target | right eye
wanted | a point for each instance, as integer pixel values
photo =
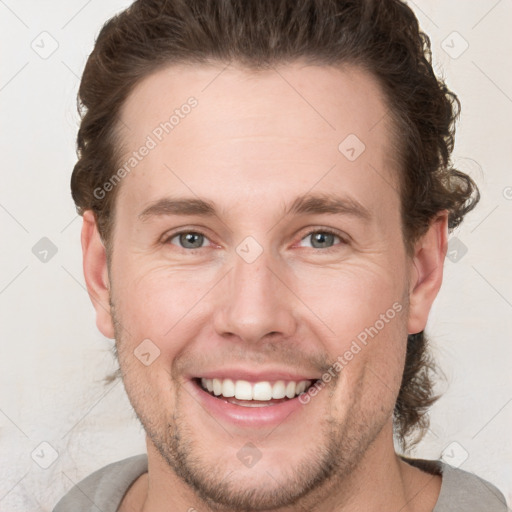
(187, 239)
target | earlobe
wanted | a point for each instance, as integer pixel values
(428, 262)
(96, 273)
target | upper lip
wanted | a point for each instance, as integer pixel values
(255, 376)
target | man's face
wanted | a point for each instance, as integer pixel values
(263, 292)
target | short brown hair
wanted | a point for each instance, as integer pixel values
(381, 36)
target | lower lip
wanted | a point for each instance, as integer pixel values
(269, 415)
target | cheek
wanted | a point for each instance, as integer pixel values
(365, 310)
(156, 298)
(161, 312)
(160, 315)
(370, 367)
(352, 298)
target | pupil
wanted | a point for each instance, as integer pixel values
(190, 240)
(323, 239)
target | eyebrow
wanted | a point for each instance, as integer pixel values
(305, 204)
(328, 203)
(178, 206)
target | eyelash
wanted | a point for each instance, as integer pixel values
(329, 231)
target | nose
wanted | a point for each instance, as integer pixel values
(255, 303)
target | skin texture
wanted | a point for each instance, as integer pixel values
(254, 142)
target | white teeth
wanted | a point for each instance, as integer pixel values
(260, 391)
(217, 387)
(243, 390)
(208, 384)
(228, 388)
(279, 389)
(300, 387)
(290, 389)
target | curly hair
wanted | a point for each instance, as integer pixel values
(381, 36)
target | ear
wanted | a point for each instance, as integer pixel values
(96, 273)
(427, 275)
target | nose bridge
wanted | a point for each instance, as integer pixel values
(255, 302)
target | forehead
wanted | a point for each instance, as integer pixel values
(220, 130)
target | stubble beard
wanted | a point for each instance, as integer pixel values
(335, 448)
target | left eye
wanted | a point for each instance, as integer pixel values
(321, 239)
(189, 240)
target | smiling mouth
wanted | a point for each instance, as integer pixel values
(253, 394)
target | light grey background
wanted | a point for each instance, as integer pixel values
(53, 358)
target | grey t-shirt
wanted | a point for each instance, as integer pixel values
(103, 490)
